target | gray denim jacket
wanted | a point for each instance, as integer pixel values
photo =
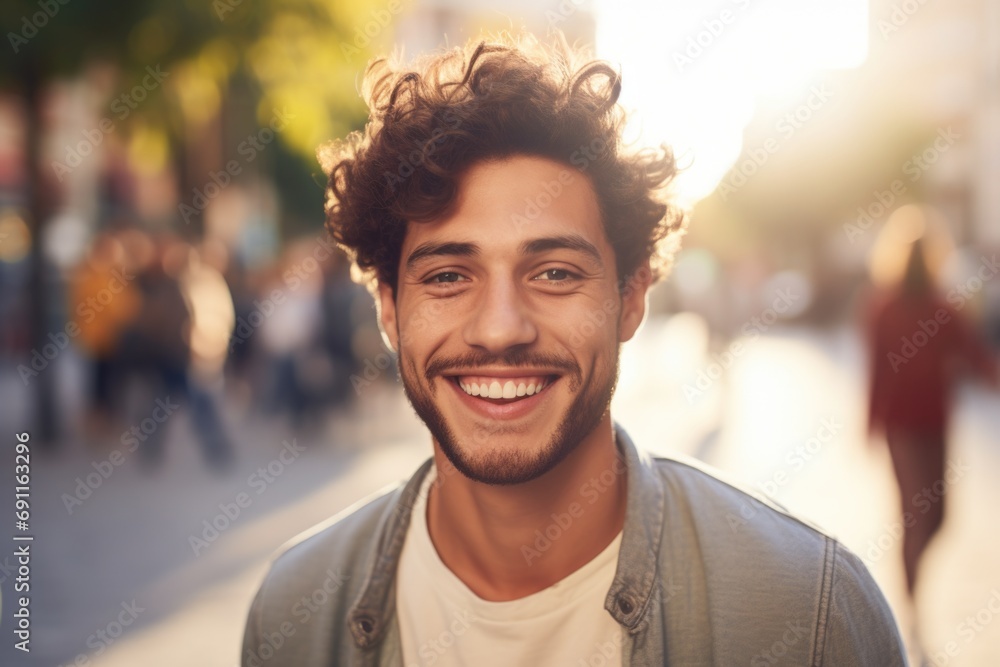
(707, 575)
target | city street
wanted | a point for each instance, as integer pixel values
(158, 568)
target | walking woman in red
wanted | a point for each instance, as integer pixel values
(919, 341)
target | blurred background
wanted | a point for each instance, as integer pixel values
(201, 381)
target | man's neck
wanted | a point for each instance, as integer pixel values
(507, 542)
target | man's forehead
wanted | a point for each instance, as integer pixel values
(513, 202)
(527, 185)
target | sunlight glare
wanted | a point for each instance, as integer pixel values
(693, 71)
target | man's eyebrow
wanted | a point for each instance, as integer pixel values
(568, 242)
(530, 247)
(432, 249)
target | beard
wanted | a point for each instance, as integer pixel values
(472, 456)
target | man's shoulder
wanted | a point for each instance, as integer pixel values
(338, 549)
(726, 520)
(303, 602)
(755, 559)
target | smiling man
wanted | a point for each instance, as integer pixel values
(510, 241)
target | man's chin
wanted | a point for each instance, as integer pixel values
(500, 452)
(501, 465)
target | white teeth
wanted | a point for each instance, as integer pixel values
(506, 390)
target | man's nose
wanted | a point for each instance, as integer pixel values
(501, 319)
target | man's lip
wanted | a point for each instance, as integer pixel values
(504, 372)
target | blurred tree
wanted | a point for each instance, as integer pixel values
(303, 56)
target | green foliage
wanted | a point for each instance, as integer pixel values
(301, 57)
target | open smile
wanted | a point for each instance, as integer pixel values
(502, 397)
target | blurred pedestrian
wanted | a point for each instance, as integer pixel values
(182, 340)
(918, 342)
(350, 331)
(103, 303)
(290, 330)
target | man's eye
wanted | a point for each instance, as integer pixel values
(556, 275)
(445, 277)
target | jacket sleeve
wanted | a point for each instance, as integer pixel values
(860, 627)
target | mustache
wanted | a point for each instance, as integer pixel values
(513, 358)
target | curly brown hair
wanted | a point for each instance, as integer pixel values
(489, 100)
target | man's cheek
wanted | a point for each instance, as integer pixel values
(418, 322)
(424, 314)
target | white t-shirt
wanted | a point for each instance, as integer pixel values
(443, 623)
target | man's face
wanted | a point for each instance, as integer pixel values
(508, 319)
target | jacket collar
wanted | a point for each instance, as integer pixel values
(631, 592)
(634, 585)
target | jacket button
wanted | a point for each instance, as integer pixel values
(625, 605)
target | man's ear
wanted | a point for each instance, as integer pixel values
(387, 323)
(634, 301)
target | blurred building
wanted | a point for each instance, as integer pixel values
(942, 60)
